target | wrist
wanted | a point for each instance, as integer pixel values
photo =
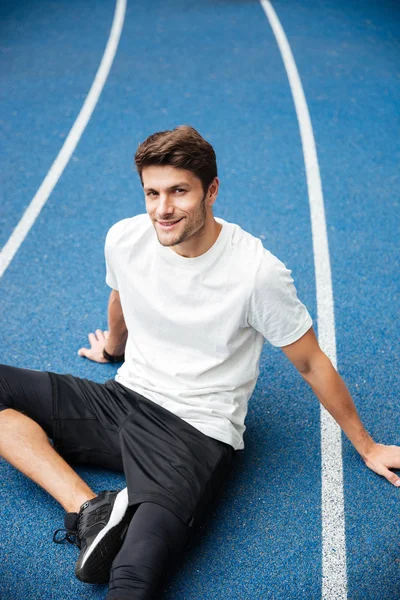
(113, 358)
(365, 446)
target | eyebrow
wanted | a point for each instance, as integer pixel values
(176, 185)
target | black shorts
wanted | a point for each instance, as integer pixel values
(165, 460)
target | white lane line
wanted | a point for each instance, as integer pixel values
(39, 200)
(334, 575)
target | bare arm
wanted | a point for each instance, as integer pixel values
(316, 368)
(114, 339)
(118, 332)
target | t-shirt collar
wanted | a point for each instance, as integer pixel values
(168, 254)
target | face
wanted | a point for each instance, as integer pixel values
(176, 204)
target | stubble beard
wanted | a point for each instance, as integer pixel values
(191, 230)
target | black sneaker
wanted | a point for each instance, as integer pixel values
(98, 530)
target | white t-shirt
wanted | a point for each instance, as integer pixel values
(196, 326)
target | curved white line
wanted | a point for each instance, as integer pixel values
(334, 576)
(39, 200)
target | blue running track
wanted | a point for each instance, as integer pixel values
(214, 64)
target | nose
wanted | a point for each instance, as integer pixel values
(165, 206)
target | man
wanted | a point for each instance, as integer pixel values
(193, 299)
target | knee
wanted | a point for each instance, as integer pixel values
(8, 414)
(137, 568)
(154, 536)
(15, 423)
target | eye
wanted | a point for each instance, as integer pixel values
(151, 193)
(180, 190)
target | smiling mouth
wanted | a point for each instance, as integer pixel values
(169, 224)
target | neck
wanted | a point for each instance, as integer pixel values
(202, 241)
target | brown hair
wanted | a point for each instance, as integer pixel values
(183, 148)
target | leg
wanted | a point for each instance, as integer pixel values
(155, 535)
(99, 525)
(24, 442)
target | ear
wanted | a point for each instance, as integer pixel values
(212, 192)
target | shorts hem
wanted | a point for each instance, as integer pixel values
(138, 498)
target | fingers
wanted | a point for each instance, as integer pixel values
(391, 477)
(98, 336)
(97, 342)
(393, 459)
(383, 459)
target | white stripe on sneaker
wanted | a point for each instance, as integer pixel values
(118, 511)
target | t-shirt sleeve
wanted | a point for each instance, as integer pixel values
(111, 278)
(274, 309)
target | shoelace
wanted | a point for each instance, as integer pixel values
(78, 525)
(73, 537)
(69, 536)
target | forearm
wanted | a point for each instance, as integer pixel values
(118, 332)
(316, 368)
(333, 394)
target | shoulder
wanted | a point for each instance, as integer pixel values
(253, 262)
(243, 244)
(273, 279)
(265, 269)
(128, 230)
(271, 269)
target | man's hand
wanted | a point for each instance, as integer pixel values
(97, 343)
(381, 458)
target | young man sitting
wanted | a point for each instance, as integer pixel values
(193, 299)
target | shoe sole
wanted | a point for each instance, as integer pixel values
(95, 564)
